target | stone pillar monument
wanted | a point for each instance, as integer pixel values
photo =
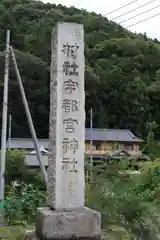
(67, 118)
(66, 217)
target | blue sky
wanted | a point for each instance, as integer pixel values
(106, 6)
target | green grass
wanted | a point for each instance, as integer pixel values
(17, 233)
(13, 232)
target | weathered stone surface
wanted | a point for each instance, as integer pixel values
(83, 224)
(30, 235)
(67, 118)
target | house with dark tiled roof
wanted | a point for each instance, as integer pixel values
(110, 140)
(103, 141)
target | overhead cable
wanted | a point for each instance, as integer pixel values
(132, 10)
(143, 20)
(115, 10)
(139, 14)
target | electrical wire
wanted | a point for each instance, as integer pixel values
(122, 7)
(143, 20)
(139, 14)
(145, 4)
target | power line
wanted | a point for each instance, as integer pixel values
(145, 4)
(139, 14)
(143, 20)
(122, 7)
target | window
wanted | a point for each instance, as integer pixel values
(98, 146)
(115, 146)
(120, 146)
(129, 147)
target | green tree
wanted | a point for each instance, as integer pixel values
(121, 75)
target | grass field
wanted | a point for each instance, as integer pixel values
(13, 232)
(17, 233)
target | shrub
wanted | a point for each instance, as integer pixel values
(124, 201)
(21, 204)
(17, 170)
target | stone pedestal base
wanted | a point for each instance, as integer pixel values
(66, 225)
(31, 235)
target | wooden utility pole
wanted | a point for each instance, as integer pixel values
(4, 121)
(29, 118)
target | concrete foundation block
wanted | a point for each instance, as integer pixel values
(65, 225)
(30, 235)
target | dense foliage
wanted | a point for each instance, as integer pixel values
(129, 204)
(24, 191)
(122, 74)
(17, 171)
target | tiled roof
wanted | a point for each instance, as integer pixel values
(118, 135)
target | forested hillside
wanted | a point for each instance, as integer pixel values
(122, 74)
